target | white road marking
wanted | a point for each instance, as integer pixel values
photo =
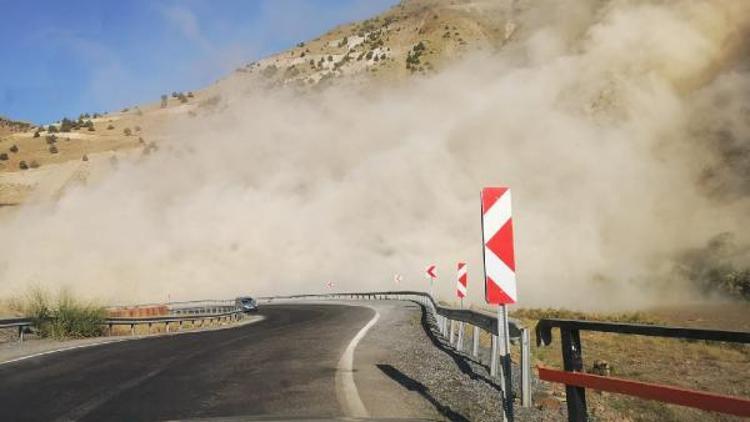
(346, 389)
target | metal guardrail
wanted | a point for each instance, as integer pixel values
(23, 323)
(446, 318)
(576, 381)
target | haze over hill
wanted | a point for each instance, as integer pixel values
(622, 128)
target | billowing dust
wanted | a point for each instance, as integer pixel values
(622, 127)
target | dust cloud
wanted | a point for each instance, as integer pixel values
(622, 127)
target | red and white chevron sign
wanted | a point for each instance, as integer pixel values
(430, 271)
(497, 235)
(462, 280)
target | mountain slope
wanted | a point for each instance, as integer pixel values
(416, 37)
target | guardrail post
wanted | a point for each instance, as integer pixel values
(452, 332)
(493, 357)
(573, 362)
(132, 329)
(460, 339)
(475, 340)
(166, 326)
(109, 329)
(525, 368)
(20, 333)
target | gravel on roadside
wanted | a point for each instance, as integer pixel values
(457, 385)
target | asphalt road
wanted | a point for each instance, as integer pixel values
(283, 365)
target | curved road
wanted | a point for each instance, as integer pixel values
(282, 365)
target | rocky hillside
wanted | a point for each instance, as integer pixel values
(415, 37)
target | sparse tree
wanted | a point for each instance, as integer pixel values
(66, 125)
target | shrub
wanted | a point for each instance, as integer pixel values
(34, 164)
(85, 157)
(36, 134)
(41, 128)
(127, 131)
(4, 156)
(125, 110)
(66, 125)
(110, 127)
(63, 317)
(14, 148)
(183, 99)
(52, 129)
(51, 139)
(190, 94)
(22, 165)
(164, 101)
(269, 71)
(53, 149)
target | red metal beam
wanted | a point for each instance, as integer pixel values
(739, 406)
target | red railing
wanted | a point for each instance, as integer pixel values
(576, 381)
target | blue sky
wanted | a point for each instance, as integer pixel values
(63, 58)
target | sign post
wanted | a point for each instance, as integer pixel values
(431, 274)
(461, 288)
(500, 276)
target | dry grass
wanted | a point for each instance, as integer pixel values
(62, 316)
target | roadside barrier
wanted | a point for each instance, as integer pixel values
(23, 324)
(576, 380)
